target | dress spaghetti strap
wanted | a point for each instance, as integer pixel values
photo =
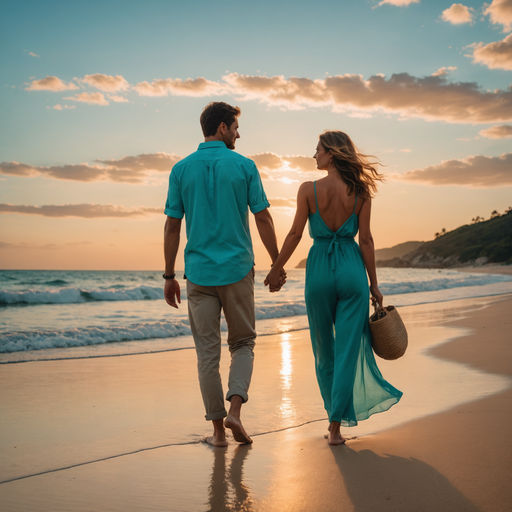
(316, 200)
(354, 206)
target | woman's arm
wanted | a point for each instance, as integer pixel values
(293, 238)
(368, 249)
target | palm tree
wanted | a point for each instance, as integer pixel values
(494, 214)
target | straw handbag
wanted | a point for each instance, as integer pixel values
(389, 336)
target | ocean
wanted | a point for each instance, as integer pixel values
(52, 314)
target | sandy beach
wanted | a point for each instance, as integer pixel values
(124, 433)
(488, 269)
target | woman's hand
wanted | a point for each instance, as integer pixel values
(376, 295)
(275, 279)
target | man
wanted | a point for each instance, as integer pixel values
(213, 188)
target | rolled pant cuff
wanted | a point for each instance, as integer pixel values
(240, 392)
(216, 415)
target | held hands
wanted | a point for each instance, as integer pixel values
(172, 292)
(376, 295)
(275, 279)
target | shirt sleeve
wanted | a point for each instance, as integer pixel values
(174, 204)
(257, 197)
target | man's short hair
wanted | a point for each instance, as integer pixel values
(214, 114)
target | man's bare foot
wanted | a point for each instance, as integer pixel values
(219, 435)
(239, 433)
(218, 443)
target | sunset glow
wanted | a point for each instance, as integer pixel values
(100, 100)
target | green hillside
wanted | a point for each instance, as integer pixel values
(491, 239)
(397, 251)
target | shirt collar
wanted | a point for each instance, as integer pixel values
(212, 144)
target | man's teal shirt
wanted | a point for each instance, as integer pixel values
(214, 188)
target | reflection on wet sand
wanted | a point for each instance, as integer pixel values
(227, 491)
(388, 482)
(286, 409)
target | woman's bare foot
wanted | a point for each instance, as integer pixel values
(239, 433)
(335, 438)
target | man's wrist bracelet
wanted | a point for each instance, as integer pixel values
(172, 276)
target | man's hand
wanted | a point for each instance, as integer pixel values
(172, 292)
(275, 280)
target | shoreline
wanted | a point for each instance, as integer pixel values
(499, 269)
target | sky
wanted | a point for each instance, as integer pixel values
(98, 100)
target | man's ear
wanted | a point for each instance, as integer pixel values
(223, 128)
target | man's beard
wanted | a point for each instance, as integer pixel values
(230, 143)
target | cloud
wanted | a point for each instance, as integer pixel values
(62, 107)
(267, 160)
(272, 161)
(474, 171)
(87, 211)
(25, 245)
(106, 83)
(399, 3)
(51, 83)
(34, 54)
(159, 161)
(129, 169)
(500, 13)
(429, 98)
(80, 172)
(177, 87)
(444, 71)
(503, 131)
(91, 98)
(458, 14)
(136, 169)
(118, 99)
(494, 55)
(290, 202)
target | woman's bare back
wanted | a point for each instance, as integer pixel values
(335, 206)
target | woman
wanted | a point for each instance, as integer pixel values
(337, 297)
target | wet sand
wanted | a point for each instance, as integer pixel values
(124, 433)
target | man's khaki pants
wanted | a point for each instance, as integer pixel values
(204, 307)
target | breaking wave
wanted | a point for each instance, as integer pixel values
(76, 295)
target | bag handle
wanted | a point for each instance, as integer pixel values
(380, 311)
(375, 304)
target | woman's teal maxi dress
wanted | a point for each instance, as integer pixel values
(337, 302)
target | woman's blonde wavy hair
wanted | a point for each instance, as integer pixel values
(356, 169)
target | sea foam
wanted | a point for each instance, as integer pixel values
(76, 295)
(39, 340)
